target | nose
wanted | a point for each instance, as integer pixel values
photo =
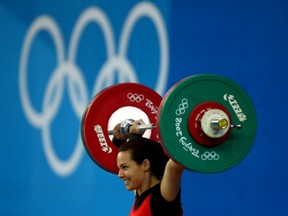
(120, 173)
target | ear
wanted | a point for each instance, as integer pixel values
(146, 165)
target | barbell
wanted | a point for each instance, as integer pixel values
(205, 122)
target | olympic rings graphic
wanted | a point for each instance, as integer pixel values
(182, 107)
(210, 156)
(135, 97)
(68, 69)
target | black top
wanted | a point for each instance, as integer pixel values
(158, 205)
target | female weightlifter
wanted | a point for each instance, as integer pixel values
(146, 170)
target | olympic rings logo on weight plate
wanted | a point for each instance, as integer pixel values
(135, 97)
(210, 156)
(68, 68)
(182, 107)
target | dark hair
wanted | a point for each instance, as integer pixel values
(143, 148)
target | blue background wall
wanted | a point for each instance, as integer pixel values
(44, 168)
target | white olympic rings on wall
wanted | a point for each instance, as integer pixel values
(68, 69)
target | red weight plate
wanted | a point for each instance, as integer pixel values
(94, 128)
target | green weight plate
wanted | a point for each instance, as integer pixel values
(173, 117)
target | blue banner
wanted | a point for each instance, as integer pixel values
(55, 56)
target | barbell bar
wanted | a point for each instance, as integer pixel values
(217, 124)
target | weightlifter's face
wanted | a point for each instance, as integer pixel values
(131, 172)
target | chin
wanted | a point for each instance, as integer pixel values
(129, 188)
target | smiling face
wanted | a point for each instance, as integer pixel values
(131, 172)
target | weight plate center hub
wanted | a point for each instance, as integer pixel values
(215, 123)
(209, 123)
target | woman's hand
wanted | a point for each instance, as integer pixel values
(133, 128)
(117, 134)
